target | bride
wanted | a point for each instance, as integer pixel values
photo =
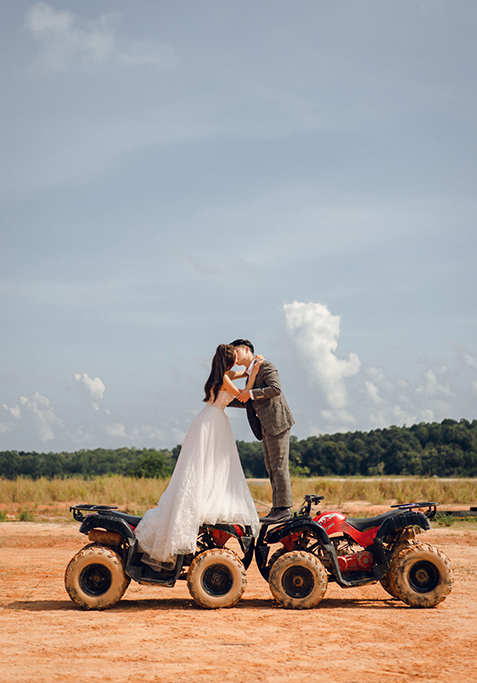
(208, 485)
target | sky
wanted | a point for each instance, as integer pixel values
(177, 174)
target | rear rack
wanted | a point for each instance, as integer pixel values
(77, 510)
(430, 512)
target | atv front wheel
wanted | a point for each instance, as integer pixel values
(421, 576)
(95, 577)
(298, 580)
(216, 578)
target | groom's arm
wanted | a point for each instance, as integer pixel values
(236, 404)
(270, 380)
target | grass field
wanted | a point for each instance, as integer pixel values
(29, 500)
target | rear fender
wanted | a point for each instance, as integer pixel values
(109, 524)
(243, 535)
(402, 520)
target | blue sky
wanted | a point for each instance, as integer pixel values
(178, 174)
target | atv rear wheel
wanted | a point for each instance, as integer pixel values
(95, 577)
(216, 578)
(421, 576)
(276, 555)
(386, 580)
(298, 580)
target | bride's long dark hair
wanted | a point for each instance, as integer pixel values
(223, 360)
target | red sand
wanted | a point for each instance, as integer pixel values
(159, 634)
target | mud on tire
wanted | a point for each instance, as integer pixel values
(276, 555)
(386, 580)
(216, 578)
(421, 576)
(298, 580)
(95, 577)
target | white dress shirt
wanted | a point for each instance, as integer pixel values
(248, 371)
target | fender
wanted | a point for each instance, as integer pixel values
(110, 524)
(398, 522)
(402, 520)
(295, 526)
(298, 526)
(246, 540)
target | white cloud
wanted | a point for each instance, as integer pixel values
(365, 397)
(431, 387)
(15, 411)
(42, 415)
(315, 332)
(115, 429)
(63, 42)
(94, 386)
(7, 427)
(379, 378)
(373, 392)
(118, 433)
(470, 360)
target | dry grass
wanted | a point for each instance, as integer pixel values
(389, 491)
(50, 499)
(45, 498)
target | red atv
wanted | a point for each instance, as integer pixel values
(99, 573)
(354, 552)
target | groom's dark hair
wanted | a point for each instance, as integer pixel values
(243, 342)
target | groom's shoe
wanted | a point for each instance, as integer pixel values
(277, 515)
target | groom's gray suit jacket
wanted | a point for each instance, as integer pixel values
(268, 410)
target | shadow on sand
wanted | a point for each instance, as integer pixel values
(174, 604)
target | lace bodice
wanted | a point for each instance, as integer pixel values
(222, 401)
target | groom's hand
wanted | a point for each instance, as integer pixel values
(243, 396)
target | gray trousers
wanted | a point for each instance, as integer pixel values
(276, 450)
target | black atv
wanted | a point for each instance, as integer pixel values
(98, 575)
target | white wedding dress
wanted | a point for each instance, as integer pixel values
(208, 486)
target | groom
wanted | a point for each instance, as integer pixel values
(270, 419)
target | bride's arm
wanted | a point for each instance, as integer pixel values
(236, 374)
(240, 374)
(245, 393)
(229, 386)
(253, 374)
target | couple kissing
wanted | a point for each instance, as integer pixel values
(208, 485)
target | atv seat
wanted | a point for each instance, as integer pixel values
(363, 523)
(132, 520)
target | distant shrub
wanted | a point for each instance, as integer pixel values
(26, 516)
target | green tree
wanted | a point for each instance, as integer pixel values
(153, 464)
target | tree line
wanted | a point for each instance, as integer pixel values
(444, 449)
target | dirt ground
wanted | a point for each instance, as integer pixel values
(159, 634)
